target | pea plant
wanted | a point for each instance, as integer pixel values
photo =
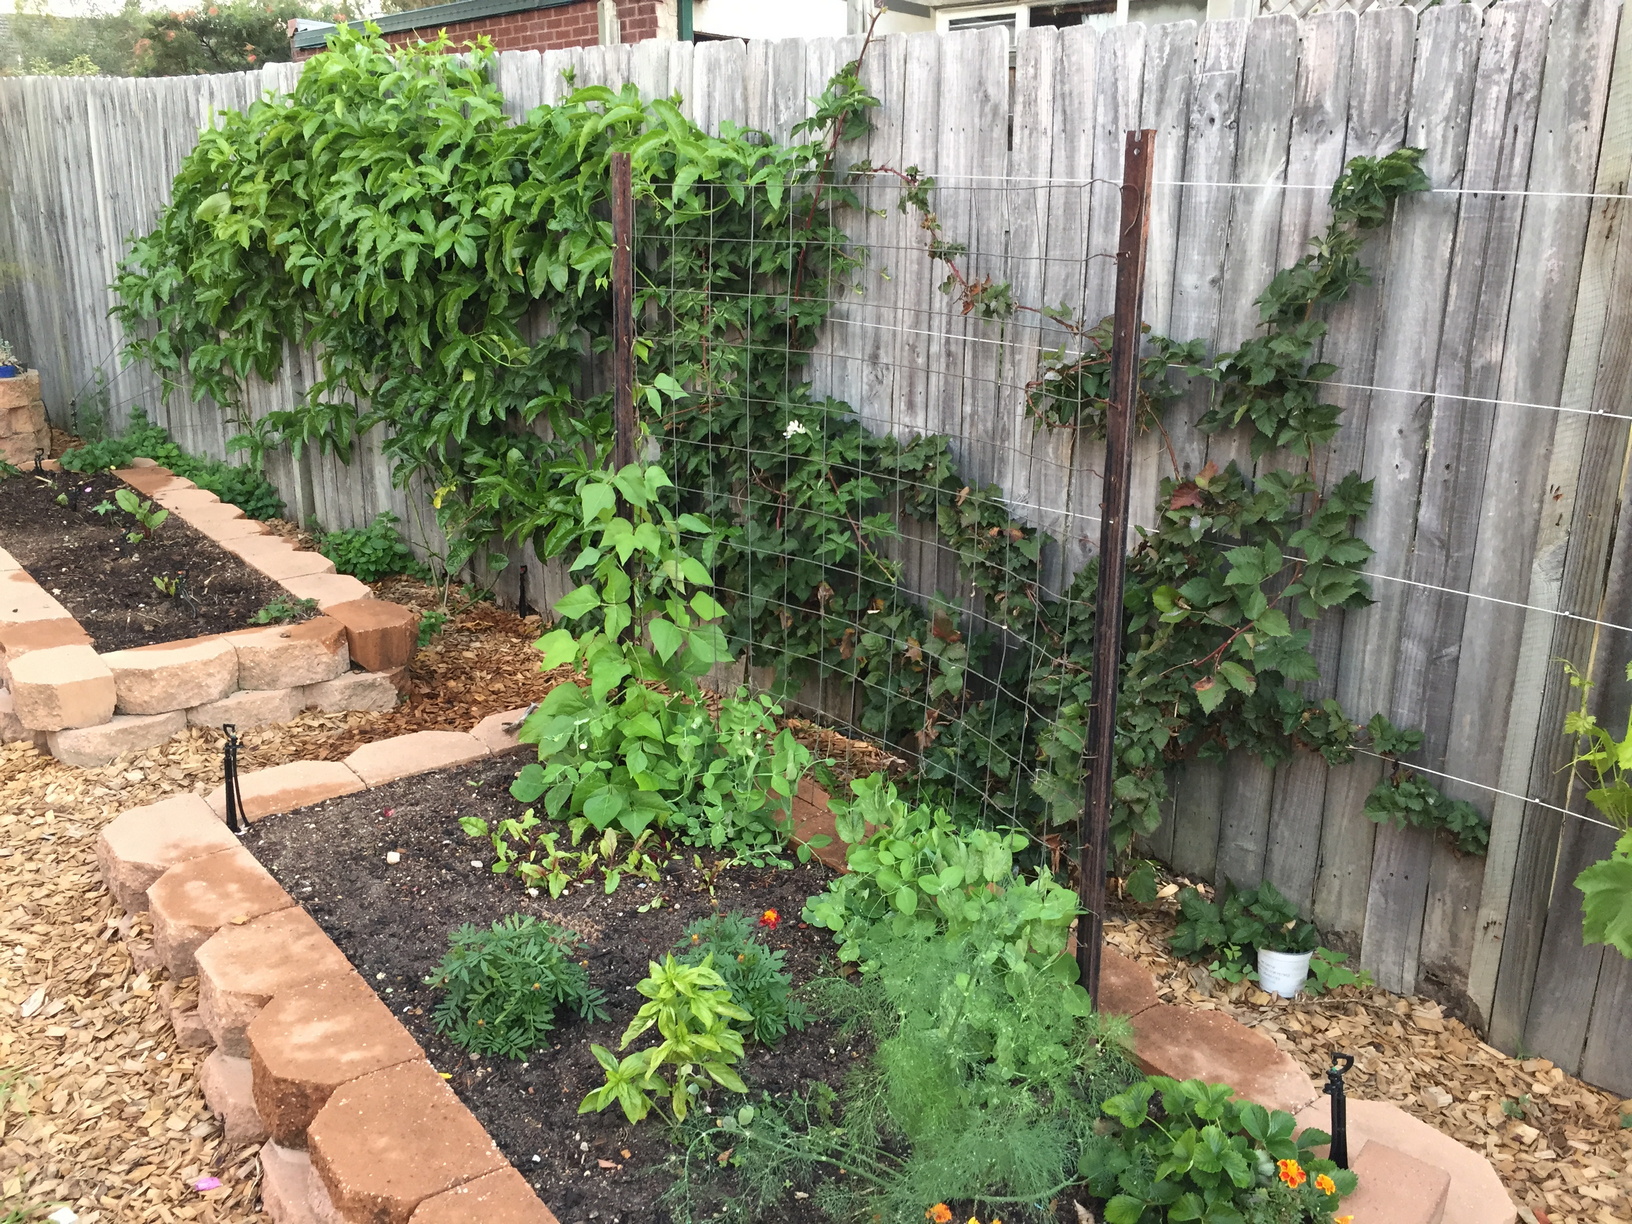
(636, 746)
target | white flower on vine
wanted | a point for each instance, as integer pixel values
(794, 427)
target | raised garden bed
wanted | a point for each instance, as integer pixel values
(392, 920)
(50, 523)
(195, 662)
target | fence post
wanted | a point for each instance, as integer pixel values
(623, 314)
(1093, 832)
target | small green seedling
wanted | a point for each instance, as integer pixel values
(281, 611)
(169, 585)
(148, 516)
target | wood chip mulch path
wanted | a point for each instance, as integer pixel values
(99, 1109)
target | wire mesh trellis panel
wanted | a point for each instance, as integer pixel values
(1479, 377)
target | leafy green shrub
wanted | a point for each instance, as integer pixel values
(1203, 1156)
(623, 752)
(504, 986)
(1329, 970)
(692, 1010)
(373, 552)
(917, 872)
(751, 971)
(1240, 920)
(230, 36)
(242, 486)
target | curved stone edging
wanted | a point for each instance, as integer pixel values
(87, 708)
(356, 1125)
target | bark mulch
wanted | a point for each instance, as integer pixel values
(91, 1115)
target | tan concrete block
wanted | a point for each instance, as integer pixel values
(136, 847)
(20, 389)
(249, 708)
(417, 752)
(500, 1197)
(225, 1082)
(498, 731)
(287, 656)
(173, 676)
(309, 1041)
(180, 500)
(147, 478)
(12, 730)
(381, 635)
(282, 788)
(17, 639)
(286, 1180)
(388, 1141)
(23, 599)
(1476, 1194)
(1210, 1046)
(241, 968)
(291, 564)
(327, 589)
(224, 529)
(28, 419)
(193, 900)
(220, 512)
(88, 747)
(352, 691)
(61, 688)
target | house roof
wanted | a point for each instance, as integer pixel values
(434, 17)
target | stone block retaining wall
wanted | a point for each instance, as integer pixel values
(23, 428)
(355, 1124)
(87, 708)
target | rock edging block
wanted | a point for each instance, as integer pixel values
(285, 787)
(173, 676)
(62, 688)
(138, 846)
(418, 752)
(386, 1142)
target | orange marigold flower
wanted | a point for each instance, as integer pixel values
(940, 1213)
(1325, 1184)
(770, 920)
(1348, 1219)
(1291, 1172)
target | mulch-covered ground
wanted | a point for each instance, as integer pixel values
(87, 560)
(100, 1110)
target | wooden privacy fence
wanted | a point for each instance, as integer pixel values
(1484, 376)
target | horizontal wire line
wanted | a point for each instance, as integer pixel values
(1495, 790)
(1036, 181)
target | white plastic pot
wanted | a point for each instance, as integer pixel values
(1283, 973)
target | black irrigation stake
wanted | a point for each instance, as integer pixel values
(521, 593)
(235, 801)
(39, 460)
(1340, 1106)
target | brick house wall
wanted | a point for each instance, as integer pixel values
(530, 26)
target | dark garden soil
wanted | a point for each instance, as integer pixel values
(393, 922)
(106, 581)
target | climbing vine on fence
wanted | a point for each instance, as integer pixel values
(450, 267)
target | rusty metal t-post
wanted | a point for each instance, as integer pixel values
(623, 314)
(1093, 834)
